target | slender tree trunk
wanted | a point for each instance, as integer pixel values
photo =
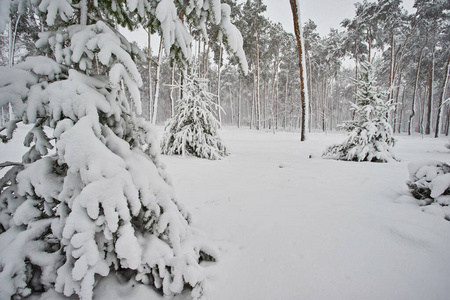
(157, 84)
(442, 98)
(391, 69)
(356, 78)
(422, 109)
(199, 58)
(286, 97)
(12, 49)
(295, 5)
(310, 92)
(239, 104)
(253, 103)
(391, 78)
(274, 81)
(369, 43)
(172, 100)
(430, 96)
(447, 124)
(401, 111)
(265, 103)
(275, 98)
(396, 109)
(219, 66)
(329, 104)
(12, 40)
(413, 108)
(149, 66)
(258, 104)
(324, 99)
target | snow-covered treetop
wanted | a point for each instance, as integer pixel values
(161, 15)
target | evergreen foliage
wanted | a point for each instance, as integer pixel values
(90, 197)
(193, 129)
(370, 136)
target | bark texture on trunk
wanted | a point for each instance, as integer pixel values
(298, 35)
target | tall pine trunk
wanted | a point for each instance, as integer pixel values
(442, 98)
(231, 105)
(239, 104)
(258, 104)
(430, 96)
(172, 100)
(402, 110)
(253, 103)
(356, 77)
(416, 85)
(275, 82)
(396, 107)
(295, 5)
(286, 97)
(149, 66)
(219, 66)
(265, 102)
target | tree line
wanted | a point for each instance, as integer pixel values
(409, 51)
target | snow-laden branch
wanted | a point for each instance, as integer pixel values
(233, 37)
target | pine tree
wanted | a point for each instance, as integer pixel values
(370, 136)
(90, 197)
(193, 129)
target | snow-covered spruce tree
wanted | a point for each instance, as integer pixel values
(370, 136)
(193, 129)
(90, 197)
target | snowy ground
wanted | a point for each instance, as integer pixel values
(295, 227)
(292, 225)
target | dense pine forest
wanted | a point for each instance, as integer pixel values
(409, 50)
(89, 209)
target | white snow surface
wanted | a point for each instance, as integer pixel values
(316, 228)
(291, 225)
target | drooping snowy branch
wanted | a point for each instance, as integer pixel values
(233, 37)
(101, 201)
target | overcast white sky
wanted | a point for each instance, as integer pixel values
(325, 13)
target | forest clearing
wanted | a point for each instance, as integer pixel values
(226, 157)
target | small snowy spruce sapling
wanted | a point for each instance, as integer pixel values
(370, 136)
(90, 197)
(193, 129)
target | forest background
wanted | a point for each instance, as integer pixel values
(409, 49)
